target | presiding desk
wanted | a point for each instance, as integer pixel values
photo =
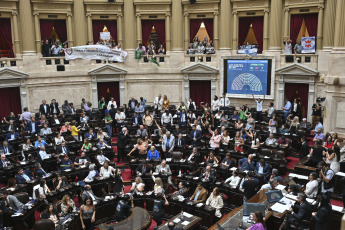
(139, 219)
(185, 221)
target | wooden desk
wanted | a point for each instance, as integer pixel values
(194, 222)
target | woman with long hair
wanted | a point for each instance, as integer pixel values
(51, 213)
(333, 158)
(87, 214)
(67, 205)
(166, 103)
(272, 125)
(259, 222)
(158, 187)
(215, 200)
(141, 146)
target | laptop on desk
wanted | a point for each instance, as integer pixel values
(274, 196)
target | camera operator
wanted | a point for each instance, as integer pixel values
(327, 177)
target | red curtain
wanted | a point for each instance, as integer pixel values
(299, 91)
(195, 24)
(195, 87)
(98, 25)
(258, 27)
(10, 101)
(209, 27)
(109, 89)
(311, 21)
(244, 25)
(47, 28)
(146, 27)
(5, 30)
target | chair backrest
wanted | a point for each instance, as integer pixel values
(45, 224)
(23, 197)
(177, 155)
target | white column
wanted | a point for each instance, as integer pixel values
(235, 31)
(139, 32)
(186, 31)
(311, 100)
(23, 97)
(122, 90)
(119, 29)
(69, 30)
(94, 92)
(167, 32)
(213, 85)
(89, 28)
(215, 34)
(186, 86)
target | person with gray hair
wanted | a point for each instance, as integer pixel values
(43, 154)
(300, 211)
(102, 144)
(270, 185)
(121, 144)
(168, 144)
(92, 173)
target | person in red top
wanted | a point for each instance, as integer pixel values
(328, 143)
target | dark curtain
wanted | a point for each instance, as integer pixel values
(60, 29)
(195, 87)
(5, 30)
(258, 27)
(108, 90)
(209, 27)
(47, 28)
(98, 25)
(295, 27)
(194, 26)
(146, 27)
(299, 91)
(244, 25)
(10, 101)
(311, 21)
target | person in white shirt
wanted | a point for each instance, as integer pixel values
(215, 103)
(215, 200)
(101, 158)
(259, 104)
(234, 180)
(158, 102)
(111, 102)
(43, 154)
(312, 186)
(166, 118)
(56, 49)
(288, 45)
(107, 171)
(59, 139)
(137, 186)
(224, 102)
(120, 118)
(191, 104)
(270, 110)
(92, 173)
(45, 130)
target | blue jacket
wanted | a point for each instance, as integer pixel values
(29, 127)
(8, 136)
(130, 102)
(40, 173)
(153, 156)
(198, 137)
(244, 165)
(88, 135)
(21, 180)
(185, 119)
(139, 118)
(266, 170)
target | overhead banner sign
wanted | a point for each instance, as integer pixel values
(104, 35)
(308, 45)
(95, 52)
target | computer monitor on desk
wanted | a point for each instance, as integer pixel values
(274, 196)
(249, 208)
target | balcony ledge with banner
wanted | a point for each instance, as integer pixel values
(95, 52)
(248, 49)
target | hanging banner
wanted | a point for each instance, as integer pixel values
(95, 52)
(248, 49)
(104, 36)
(308, 45)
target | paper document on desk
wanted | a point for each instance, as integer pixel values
(340, 174)
(302, 177)
(280, 208)
(16, 214)
(280, 187)
(184, 223)
(337, 208)
(177, 220)
(286, 201)
(186, 214)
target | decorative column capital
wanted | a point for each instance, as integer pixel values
(216, 13)
(266, 11)
(186, 14)
(69, 14)
(167, 14)
(14, 13)
(87, 15)
(119, 15)
(35, 13)
(321, 7)
(234, 13)
(138, 15)
(286, 9)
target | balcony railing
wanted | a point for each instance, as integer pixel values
(310, 60)
(11, 62)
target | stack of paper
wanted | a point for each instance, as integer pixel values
(186, 214)
(185, 223)
(340, 174)
(337, 208)
(280, 208)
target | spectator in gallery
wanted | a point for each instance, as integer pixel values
(45, 48)
(288, 45)
(191, 49)
(200, 49)
(161, 50)
(55, 50)
(297, 49)
(141, 48)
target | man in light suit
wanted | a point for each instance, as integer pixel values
(142, 132)
(199, 195)
(54, 107)
(168, 144)
(158, 102)
(12, 202)
(32, 126)
(164, 168)
(46, 130)
(44, 108)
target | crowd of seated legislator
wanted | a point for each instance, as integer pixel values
(212, 156)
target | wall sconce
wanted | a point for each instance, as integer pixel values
(298, 59)
(3, 64)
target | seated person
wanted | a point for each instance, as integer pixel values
(235, 116)
(88, 194)
(199, 195)
(275, 175)
(92, 173)
(39, 143)
(51, 213)
(294, 189)
(60, 182)
(43, 154)
(101, 134)
(164, 169)
(301, 210)
(247, 164)
(137, 186)
(226, 161)
(62, 149)
(194, 156)
(143, 168)
(39, 171)
(56, 120)
(102, 144)
(211, 159)
(123, 208)
(11, 135)
(4, 163)
(208, 173)
(142, 132)
(41, 190)
(101, 158)
(46, 130)
(283, 130)
(32, 126)
(23, 177)
(136, 119)
(83, 160)
(215, 200)
(106, 170)
(6, 147)
(305, 125)
(12, 204)
(90, 135)
(59, 139)
(283, 142)
(271, 185)
(271, 141)
(65, 162)
(311, 188)
(180, 141)
(263, 168)
(67, 205)
(177, 131)
(86, 146)
(152, 154)
(319, 136)
(182, 188)
(234, 180)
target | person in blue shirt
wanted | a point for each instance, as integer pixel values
(263, 168)
(65, 163)
(90, 134)
(39, 143)
(143, 102)
(287, 108)
(23, 177)
(247, 164)
(227, 161)
(235, 116)
(318, 126)
(152, 154)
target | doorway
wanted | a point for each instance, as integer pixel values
(10, 101)
(300, 92)
(108, 90)
(200, 91)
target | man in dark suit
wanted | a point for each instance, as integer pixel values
(6, 147)
(208, 173)
(11, 126)
(39, 171)
(143, 168)
(88, 194)
(62, 149)
(32, 126)
(23, 177)
(304, 150)
(136, 119)
(90, 134)
(54, 107)
(132, 103)
(263, 168)
(180, 141)
(194, 156)
(300, 211)
(195, 136)
(11, 135)
(4, 162)
(44, 108)
(121, 144)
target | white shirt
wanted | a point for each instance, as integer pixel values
(233, 181)
(226, 104)
(59, 141)
(167, 118)
(261, 170)
(288, 48)
(101, 159)
(44, 155)
(270, 111)
(215, 105)
(91, 175)
(56, 121)
(311, 189)
(106, 173)
(158, 103)
(120, 116)
(224, 139)
(295, 107)
(112, 103)
(259, 106)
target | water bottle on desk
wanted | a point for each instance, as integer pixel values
(181, 217)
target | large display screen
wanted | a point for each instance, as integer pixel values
(248, 77)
